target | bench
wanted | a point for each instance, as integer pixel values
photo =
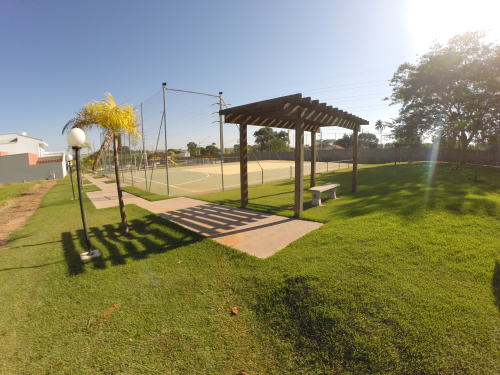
(317, 190)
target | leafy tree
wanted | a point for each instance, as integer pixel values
(262, 136)
(116, 120)
(193, 148)
(367, 140)
(458, 83)
(210, 150)
(236, 147)
(276, 144)
(345, 141)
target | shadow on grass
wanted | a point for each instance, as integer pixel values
(495, 284)
(149, 235)
(405, 190)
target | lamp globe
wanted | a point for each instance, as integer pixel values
(69, 157)
(76, 137)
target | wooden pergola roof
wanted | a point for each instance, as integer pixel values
(282, 112)
(299, 114)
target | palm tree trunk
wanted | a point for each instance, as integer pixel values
(119, 186)
(102, 150)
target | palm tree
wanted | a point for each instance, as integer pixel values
(379, 125)
(116, 120)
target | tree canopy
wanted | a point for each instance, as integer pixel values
(454, 86)
(265, 135)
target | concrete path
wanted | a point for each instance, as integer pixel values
(256, 233)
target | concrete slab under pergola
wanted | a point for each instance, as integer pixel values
(299, 114)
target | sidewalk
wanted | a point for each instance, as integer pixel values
(256, 233)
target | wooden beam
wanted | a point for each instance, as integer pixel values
(265, 104)
(244, 165)
(313, 159)
(355, 159)
(299, 165)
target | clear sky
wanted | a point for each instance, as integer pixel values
(58, 55)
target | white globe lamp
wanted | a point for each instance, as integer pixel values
(76, 137)
(69, 158)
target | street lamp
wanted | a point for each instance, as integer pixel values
(69, 158)
(76, 138)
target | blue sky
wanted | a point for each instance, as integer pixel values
(58, 55)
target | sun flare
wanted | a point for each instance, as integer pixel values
(430, 20)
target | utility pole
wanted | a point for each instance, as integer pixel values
(221, 141)
(165, 123)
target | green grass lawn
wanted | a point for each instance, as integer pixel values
(145, 194)
(9, 191)
(110, 182)
(98, 176)
(403, 278)
(85, 181)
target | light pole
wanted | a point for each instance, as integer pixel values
(76, 138)
(69, 159)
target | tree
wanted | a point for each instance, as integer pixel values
(345, 141)
(367, 140)
(236, 148)
(210, 150)
(193, 148)
(276, 144)
(116, 120)
(262, 136)
(379, 125)
(458, 84)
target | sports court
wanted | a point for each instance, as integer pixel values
(193, 180)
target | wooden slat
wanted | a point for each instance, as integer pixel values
(262, 104)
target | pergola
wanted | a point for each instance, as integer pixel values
(299, 114)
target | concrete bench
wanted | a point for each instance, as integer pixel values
(317, 190)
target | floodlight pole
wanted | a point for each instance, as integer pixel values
(221, 141)
(165, 123)
(144, 154)
(77, 158)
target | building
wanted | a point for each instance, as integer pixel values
(24, 159)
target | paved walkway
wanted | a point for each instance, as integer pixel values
(256, 233)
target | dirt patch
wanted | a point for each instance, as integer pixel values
(16, 213)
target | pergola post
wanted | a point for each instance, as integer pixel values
(313, 158)
(355, 158)
(244, 165)
(299, 164)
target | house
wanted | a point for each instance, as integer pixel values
(184, 154)
(333, 147)
(24, 159)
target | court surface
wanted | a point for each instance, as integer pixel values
(202, 179)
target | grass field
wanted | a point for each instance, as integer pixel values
(202, 179)
(403, 278)
(9, 191)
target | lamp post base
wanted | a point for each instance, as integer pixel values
(92, 254)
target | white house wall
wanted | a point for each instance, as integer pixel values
(16, 169)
